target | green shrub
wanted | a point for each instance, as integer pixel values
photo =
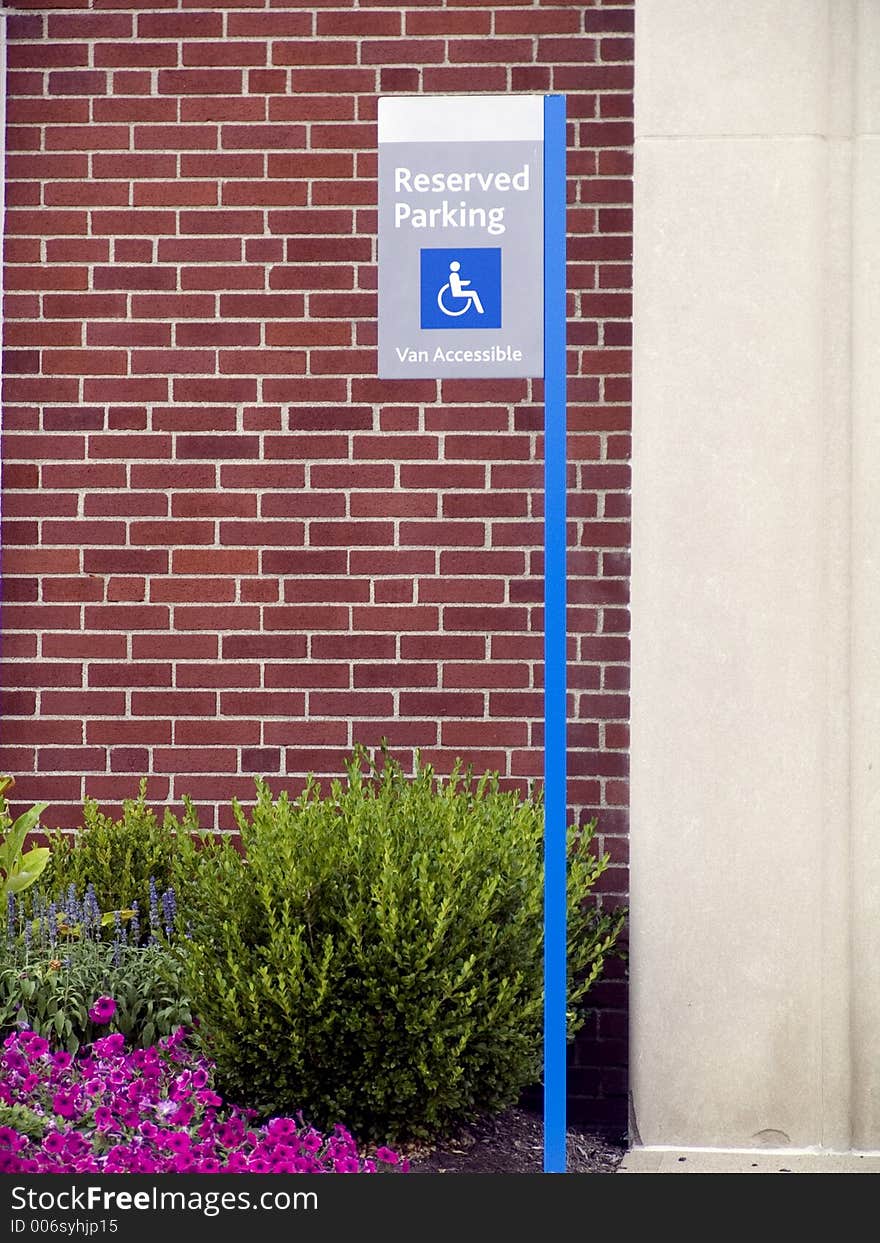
(53, 968)
(376, 956)
(118, 858)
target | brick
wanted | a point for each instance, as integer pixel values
(132, 673)
(405, 80)
(262, 137)
(69, 759)
(342, 135)
(201, 25)
(351, 703)
(132, 82)
(125, 390)
(21, 26)
(353, 647)
(198, 760)
(196, 108)
(394, 674)
(211, 561)
(135, 55)
(326, 165)
(220, 390)
(306, 617)
(237, 53)
(262, 704)
(181, 137)
(311, 52)
(222, 164)
(46, 223)
(204, 590)
(441, 704)
(299, 561)
(75, 27)
(211, 617)
(268, 25)
(315, 590)
(44, 56)
(213, 504)
(216, 733)
(263, 646)
(350, 534)
(263, 194)
(55, 674)
(44, 111)
(217, 675)
(123, 166)
(37, 617)
(18, 703)
(262, 362)
(471, 78)
(200, 82)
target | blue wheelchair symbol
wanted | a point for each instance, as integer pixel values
(461, 288)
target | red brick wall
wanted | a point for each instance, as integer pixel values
(228, 549)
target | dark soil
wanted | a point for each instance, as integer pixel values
(513, 1143)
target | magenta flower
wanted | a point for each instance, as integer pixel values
(64, 1103)
(386, 1155)
(103, 1010)
(281, 1128)
(162, 1112)
(178, 1141)
(36, 1046)
(53, 1142)
(109, 1046)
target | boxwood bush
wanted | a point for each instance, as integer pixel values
(375, 956)
(123, 860)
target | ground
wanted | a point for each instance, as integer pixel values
(513, 1143)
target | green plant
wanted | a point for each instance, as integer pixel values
(19, 869)
(118, 858)
(54, 966)
(24, 1120)
(376, 956)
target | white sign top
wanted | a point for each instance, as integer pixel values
(461, 118)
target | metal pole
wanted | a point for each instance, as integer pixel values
(555, 802)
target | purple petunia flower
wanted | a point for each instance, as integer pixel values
(103, 1010)
(109, 1046)
(53, 1142)
(160, 1110)
(64, 1103)
(35, 1046)
(282, 1128)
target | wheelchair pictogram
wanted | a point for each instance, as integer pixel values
(460, 287)
(456, 291)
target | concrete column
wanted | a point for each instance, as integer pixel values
(756, 675)
(866, 584)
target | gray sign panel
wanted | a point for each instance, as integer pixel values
(460, 255)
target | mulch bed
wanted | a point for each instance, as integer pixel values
(513, 1143)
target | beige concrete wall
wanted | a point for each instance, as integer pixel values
(756, 672)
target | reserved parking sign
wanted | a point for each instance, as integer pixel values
(461, 239)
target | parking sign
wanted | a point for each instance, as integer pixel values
(461, 236)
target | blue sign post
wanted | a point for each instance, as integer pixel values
(555, 799)
(464, 183)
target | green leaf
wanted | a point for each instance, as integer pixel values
(28, 869)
